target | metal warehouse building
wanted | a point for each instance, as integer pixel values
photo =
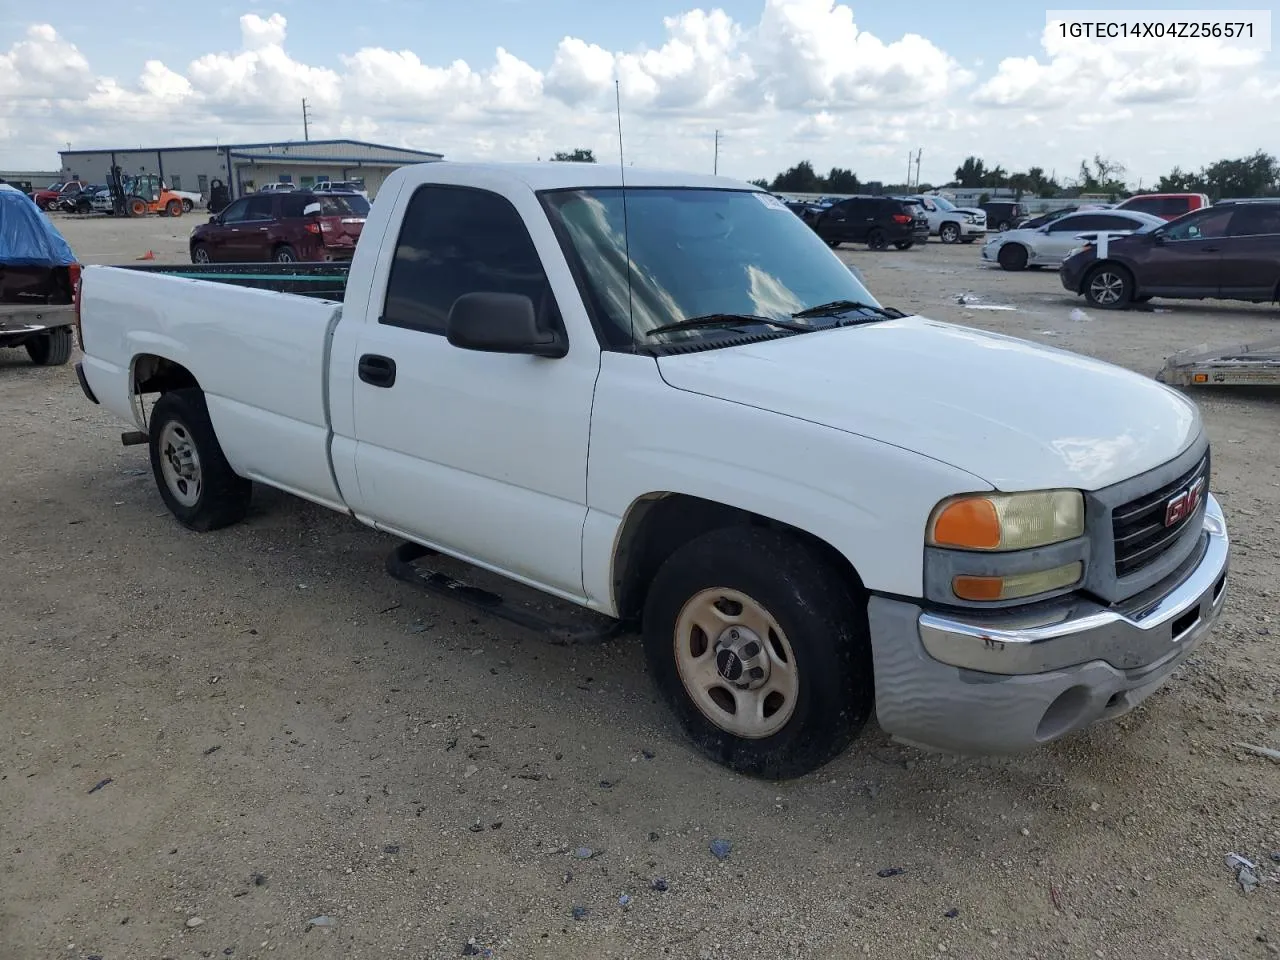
(246, 167)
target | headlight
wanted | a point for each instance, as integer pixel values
(1007, 521)
(1074, 250)
(1016, 585)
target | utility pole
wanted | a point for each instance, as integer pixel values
(306, 126)
(715, 164)
(908, 169)
(919, 154)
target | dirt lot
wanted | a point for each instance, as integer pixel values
(285, 732)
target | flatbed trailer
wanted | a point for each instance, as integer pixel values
(1255, 364)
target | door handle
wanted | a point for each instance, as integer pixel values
(377, 371)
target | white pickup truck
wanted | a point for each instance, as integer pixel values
(668, 402)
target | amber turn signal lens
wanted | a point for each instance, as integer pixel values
(1017, 585)
(973, 524)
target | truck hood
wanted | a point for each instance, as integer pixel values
(970, 210)
(1015, 414)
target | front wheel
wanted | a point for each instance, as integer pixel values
(877, 239)
(173, 208)
(949, 233)
(187, 206)
(200, 254)
(196, 482)
(761, 650)
(1108, 287)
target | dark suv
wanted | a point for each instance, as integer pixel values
(1230, 251)
(282, 226)
(1004, 214)
(875, 221)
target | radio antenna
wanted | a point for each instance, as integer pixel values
(626, 226)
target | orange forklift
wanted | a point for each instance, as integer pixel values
(142, 196)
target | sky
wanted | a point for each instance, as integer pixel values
(858, 85)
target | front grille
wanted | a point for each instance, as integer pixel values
(1141, 536)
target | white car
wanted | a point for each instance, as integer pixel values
(189, 200)
(340, 186)
(1049, 245)
(949, 223)
(812, 507)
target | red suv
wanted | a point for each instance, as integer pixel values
(1167, 206)
(284, 227)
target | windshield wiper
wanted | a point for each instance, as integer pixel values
(728, 320)
(844, 306)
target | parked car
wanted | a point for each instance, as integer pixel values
(340, 186)
(189, 199)
(1049, 245)
(38, 279)
(949, 223)
(1045, 218)
(1230, 251)
(278, 188)
(1167, 206)
(282, 226)
(50, 197)
(82, 200)
(875, 221)
(1003, 214)
(810, 506)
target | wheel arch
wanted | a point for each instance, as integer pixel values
(1113, 263)
(151, 373)
(659, 523)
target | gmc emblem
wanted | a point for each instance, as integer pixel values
(1184, 504)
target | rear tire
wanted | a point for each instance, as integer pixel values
(877, 239)
(1003, 225)
(52, 349)
(195, 481)
(173, 208)
(784, 621)
(187, 206)
(137, 207)
(1013, 256)
(285, 254)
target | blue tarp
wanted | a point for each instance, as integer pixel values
(27, 237)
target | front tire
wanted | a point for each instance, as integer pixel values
(285, 254)
(195, 481)
(1108, 287)
(52, 349)
(949, 233)
(187, 206)
(761, 650)
(1013, 256)
(200, 254)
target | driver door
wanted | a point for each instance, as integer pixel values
(1185, 258)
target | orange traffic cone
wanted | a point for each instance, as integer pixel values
(149, 255)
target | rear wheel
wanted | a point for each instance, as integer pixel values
(1108, 287)
(285, 254)
(1002, 226)
(196, 482)
(137, 207)
(200, 254)
(173, 208)
(833, 244)
(1013, 256)
(51, 349)
(761, 649)
(877, 239)
(949, 233)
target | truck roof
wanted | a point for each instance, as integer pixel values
(560, 175)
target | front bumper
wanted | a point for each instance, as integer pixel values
(973, 229)
(1072, 270)
(1016, 680)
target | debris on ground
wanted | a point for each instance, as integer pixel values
(471, 771)
(624, 901)
(660, 884)
(391, 848)
(1267, 752)
(323, 922)
(259, 879)
(208, 751)
(890, 872)
(193, 922)
(1246, 872)
(721, 849)
(952, 913)
(584, 853)
(100, 784)
(1079, 316)
(579, 913)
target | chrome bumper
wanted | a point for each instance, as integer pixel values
(1140, 632)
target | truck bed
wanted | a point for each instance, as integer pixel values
(256, 339)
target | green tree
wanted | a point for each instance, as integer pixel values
(971, 173)
(577, 155)
(762, 183)
(840, 180)
(798, 179)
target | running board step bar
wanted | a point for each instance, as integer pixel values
(402, 563)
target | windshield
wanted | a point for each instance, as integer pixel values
(695, 252)
(943, 203)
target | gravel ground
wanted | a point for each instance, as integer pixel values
(285, 733)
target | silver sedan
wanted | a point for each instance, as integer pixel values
(1049, 245)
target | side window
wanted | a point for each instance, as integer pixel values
(202, 183)
(259, 208)
(1209, 225)
(292, 204)
(456, 241)
(1145, 205)
(175, 183)
(235, 213)
(1174, 207)
(1252, 220)
(1074, 224)
(1112, 222)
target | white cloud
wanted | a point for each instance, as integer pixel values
(803, 80)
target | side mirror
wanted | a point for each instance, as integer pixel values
(311, 210)
(501, 323)
(215, 218)
(1157, 237)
